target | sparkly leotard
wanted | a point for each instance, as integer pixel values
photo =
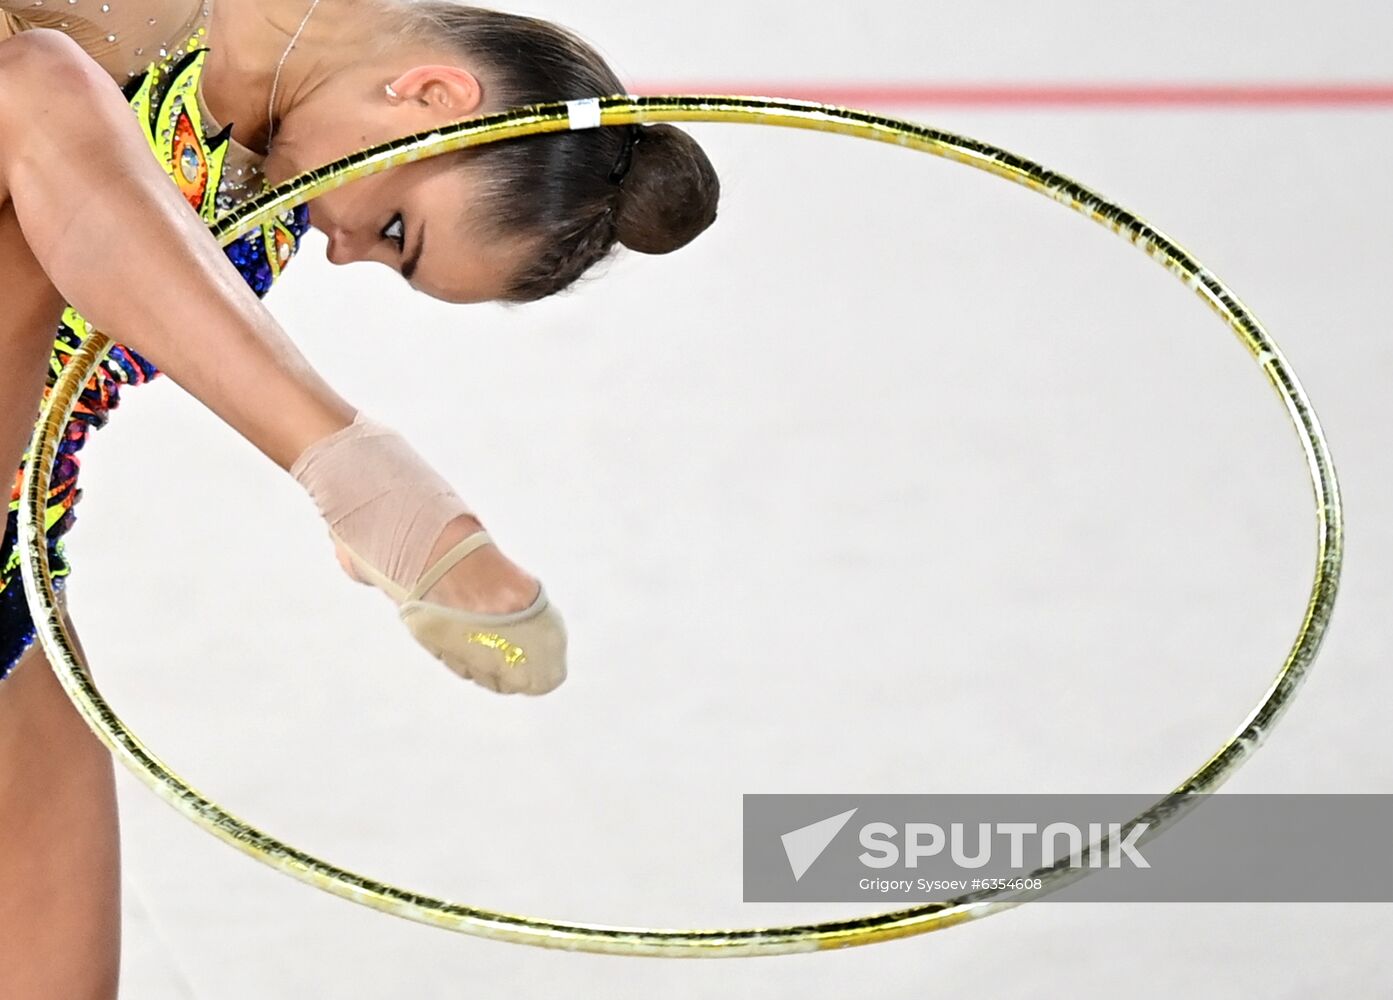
(157, 47)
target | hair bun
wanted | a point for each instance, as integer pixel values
(669, 194)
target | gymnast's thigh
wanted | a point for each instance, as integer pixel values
(60, 906)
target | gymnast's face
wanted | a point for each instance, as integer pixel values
(410, 219)
(415, 218)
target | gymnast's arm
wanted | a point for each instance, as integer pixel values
(117, 241)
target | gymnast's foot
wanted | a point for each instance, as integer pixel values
(485, 581)
(398, 526)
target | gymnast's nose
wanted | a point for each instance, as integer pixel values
(341, 250)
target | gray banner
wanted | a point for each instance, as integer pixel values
(930, 848)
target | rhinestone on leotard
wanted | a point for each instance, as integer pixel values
(189, 164)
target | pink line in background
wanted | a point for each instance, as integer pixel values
(1067, 95)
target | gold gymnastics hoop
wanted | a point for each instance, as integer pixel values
(624, 110)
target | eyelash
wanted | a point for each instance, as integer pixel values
(400, 238)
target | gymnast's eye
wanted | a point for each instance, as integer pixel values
(396, 231)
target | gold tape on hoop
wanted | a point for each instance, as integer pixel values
(622, 110)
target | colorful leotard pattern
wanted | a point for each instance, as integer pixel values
(164, 99)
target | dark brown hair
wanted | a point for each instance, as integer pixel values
(556, 190)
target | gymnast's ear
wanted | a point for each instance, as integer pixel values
(449, 89)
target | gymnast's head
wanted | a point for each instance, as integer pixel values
(512, 221)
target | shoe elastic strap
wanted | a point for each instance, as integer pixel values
(447, 561)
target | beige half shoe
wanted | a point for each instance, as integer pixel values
(513, 652)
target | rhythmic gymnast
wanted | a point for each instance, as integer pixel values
(95, 233)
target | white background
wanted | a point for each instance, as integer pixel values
(899, 479)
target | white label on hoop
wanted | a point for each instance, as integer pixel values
(584, 113)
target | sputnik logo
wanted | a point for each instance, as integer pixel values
(806, 844)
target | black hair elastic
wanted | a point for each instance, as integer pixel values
(626, 155)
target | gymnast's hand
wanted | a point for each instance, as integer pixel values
(390, 516)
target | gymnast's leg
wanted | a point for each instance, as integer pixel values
(60, 867)
(100, 219)
(59, 854)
